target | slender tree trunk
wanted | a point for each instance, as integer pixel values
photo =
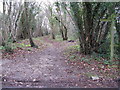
(16, 23)
(112, 40)
(53, 35)
(27, 25)
(118, 32)
(40, 31)
(63, 30)
(3, 25)
(65, 36)
(10, 36)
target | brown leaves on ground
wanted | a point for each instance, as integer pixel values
(23, 47)
(90, 67)
(69, 70)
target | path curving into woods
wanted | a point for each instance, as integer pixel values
(43, 69)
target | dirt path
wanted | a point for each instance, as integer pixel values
(45, 69)
(40, 69)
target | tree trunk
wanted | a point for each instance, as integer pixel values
(65, 36)
(63, 29)
(53, 36)
(10, 36)
(3, 26)
(92, 31)
(112, 40)
(16, 23)
(40, 32)
(27, 25)
(118, 32)
(62, 33)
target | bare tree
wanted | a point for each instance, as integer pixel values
(28, 25)
(62, 19)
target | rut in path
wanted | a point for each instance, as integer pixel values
(45, 68)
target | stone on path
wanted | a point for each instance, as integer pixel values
(94, 77)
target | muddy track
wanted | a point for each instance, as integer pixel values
(46, 68)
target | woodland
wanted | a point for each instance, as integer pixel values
(60, 44)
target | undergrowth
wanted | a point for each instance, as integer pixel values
(73, 53)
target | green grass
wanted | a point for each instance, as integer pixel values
(85, 59)
(2, 48)
(58, 38)
(72, 38)
(21, 45)
(14, 46)
(76, 47)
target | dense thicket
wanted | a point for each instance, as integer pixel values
(92, 29)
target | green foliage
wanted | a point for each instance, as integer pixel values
(105, 48)
(2, 47)
(72, 57)
(28, 45)
(107, 62)
(97, 58)
(7, 47)
(105, 59)
(23, 45)
(88, 22)
(85, 59)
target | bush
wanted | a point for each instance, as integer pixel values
(8, 49)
